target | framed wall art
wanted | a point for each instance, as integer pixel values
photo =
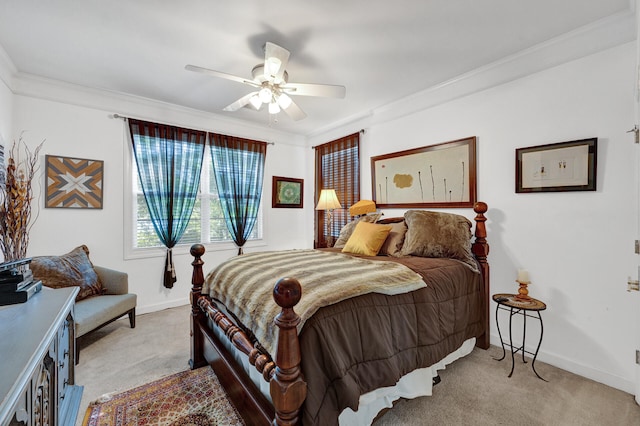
(287, 192)
(441, 175)
(557, 167)
(73, 182)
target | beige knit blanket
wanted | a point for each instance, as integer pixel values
(244, 284)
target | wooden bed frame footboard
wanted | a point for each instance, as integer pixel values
(287, 387)
(480, 249)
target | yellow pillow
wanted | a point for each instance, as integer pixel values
(367, 238)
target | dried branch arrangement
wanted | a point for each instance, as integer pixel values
(15, 200)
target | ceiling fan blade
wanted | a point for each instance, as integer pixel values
(308, 89)
(243, 101)
(221, 75)
(294, 111)
(276, 59)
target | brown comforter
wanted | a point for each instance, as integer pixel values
(370, 341)
(244, 284)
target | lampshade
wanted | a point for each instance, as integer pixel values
(255, 101)
(362, 207)
(274, 108)
(328, 200)
(265, 95)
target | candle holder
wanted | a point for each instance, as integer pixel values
(523, 292)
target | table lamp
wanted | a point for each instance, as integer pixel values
(328, 201)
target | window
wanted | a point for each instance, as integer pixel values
(207, 223)
(337, 167)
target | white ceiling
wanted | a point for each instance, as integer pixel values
(380, 50)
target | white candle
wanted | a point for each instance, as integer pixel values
(523, 275)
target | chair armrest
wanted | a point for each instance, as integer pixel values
(115, 282)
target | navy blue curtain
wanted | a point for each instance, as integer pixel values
(169, 163)
(238, 165)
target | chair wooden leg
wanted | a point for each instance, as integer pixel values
(132, 318)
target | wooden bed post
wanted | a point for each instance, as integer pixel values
(197, 279)
(480, 249)
(288, 389)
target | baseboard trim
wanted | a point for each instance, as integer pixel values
(574, 367)
(141, 310)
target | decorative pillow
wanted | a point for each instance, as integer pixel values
(367, 239)
(347, 230)
(435, 234)
(393, 244)
(71, 269)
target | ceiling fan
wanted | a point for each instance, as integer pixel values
(271, 82)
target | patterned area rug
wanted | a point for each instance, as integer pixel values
(193, 397)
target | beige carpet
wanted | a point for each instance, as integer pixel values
(116, 357)
(473, 391)
(477, 391)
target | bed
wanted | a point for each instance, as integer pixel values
(314, 355)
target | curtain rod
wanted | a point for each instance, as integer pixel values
(124, 117)
(363, 131)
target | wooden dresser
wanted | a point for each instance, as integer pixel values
(37, 346)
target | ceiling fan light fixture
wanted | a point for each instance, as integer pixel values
(274, 108)
(270, 81)
(255, 101)
(284, 101)
(265, 95)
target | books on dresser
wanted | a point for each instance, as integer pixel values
(16, 282)
(20, 296)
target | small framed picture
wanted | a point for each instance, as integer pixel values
(287, 192)
(557, 167)
(74, 183)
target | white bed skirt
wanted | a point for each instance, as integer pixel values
(412, 385)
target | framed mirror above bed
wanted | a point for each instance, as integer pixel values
(441, 175)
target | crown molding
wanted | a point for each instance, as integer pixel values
(606, 33)
(128, 105)
(603, 34)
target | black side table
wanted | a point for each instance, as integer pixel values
(526, 308)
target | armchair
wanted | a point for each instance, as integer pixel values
(97, 311)
(104, 293)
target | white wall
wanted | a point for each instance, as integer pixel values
(6, 106)
(6, 114)
(578, 246)
(89, 132)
